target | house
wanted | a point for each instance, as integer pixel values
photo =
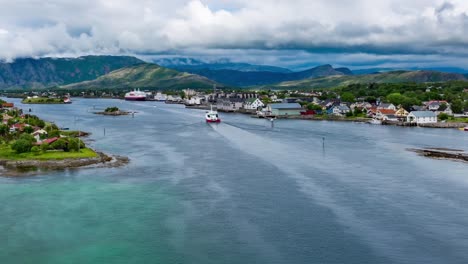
(383, 114)
(401, 113)
(285, 109)
(435, 105)
(8, 105)
(253, 104)
(38, 133)
(17, 127)
(387, 106)
(160, 97)
(422, 117)
(229, 104)
(195, 100)
(339, 110)
(48, 141)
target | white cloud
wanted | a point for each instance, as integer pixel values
(415, 28)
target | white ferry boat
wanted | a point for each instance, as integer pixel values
(212, 116)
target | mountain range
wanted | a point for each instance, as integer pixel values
(384, 77)
(124, 72)
(47, 72)
(146, 76)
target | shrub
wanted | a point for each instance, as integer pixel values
(28, 138)
(44, 147)
(22, 146)
(35, 149)
(443, 116)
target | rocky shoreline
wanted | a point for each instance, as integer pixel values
(15, 168)
(117, 113)
(442, 153)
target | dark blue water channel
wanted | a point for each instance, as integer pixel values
(239, 192)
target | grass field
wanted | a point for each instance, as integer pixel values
(7, 153)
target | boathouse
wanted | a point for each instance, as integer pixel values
(285, 109)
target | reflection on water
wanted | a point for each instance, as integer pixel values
(239, 192)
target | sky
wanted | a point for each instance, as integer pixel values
(288, 33)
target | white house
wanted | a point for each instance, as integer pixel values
(160, 97)
(422, 117)
(339, 110)
(37, 134)
(195, 100)
(253, 104)
(387, 106)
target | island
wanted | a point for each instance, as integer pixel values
(112, 111)
(43, 100)
(29, 144)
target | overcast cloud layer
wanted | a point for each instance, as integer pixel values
(283, 32)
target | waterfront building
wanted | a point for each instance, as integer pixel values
(422, 117)
(253, 104)
(230, 104)
(339, 110)
(284, 109)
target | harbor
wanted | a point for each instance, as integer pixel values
(342, 184)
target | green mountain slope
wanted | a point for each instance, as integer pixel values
(145, 76)
(46, 72)
(387, 77)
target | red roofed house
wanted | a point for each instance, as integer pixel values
(8, 105)
(17, 127)
(48, 141)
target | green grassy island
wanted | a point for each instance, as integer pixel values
(42, 100)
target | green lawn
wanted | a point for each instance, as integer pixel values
(458, 120)
(7, 153)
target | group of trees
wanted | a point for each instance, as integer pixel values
(25, 143)
(112, 109)
(405, 94)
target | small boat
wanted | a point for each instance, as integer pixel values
(67, 100)
(212, 116)
(464, 128)
(375, 122)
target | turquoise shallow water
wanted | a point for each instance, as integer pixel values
(239, 192)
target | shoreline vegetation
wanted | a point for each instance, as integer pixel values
(42, 100)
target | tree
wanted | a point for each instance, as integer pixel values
(28, 129)
(457, 106)
(21, 146)
(74, 144)
(313, 106)
(59, 144)
(4, 130)
(348, 97)
(28, 138)
(395, 98)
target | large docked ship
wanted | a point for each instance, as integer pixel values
(135, 95)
